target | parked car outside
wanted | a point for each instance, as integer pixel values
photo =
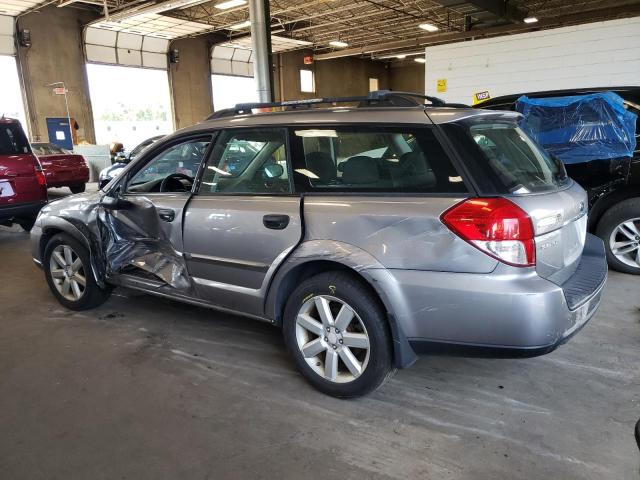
(612, 185)
(107, 174)
(23, 187)
(62, 168)
(367, 234)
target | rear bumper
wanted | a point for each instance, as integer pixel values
(67, 178)
(22, 210)
(504, 313)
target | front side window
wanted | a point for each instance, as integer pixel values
(248, 161)
(172, 170)
(378, 160)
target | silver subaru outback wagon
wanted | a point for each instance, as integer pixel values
(367, 232)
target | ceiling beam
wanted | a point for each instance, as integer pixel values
(450, 37)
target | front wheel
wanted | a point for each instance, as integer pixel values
(77, 188)
(337, 333)
(619, 228)
(68, 271)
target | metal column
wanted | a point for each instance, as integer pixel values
(261, 43)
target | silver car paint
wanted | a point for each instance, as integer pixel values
(232, 256)
(400, 232)
(560, 223)
(434, 285)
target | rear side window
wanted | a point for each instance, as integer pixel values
(12, 140)
(358, 159)
(513, 161)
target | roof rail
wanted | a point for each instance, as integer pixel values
(375, 98)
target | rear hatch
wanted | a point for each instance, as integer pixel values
(19, 181)
(506, 162)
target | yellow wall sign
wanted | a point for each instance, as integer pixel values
(480, 97)
(442, 85)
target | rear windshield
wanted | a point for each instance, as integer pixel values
(48, 149)
(12, 140)
(514, 163)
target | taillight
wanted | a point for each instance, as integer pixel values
(42, 181)
(496, 226)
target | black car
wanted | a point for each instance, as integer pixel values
(613, 185)
(107, 174)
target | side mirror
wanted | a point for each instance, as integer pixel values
(273, 170)
(114, 203)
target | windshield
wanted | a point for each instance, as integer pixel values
(12, 139)
(516, 164)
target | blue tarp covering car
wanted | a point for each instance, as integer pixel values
(581, 128)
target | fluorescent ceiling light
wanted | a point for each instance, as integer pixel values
(241, 25)
(230, 4)
(338, 43)
(429, 27)
(530, 20)
(419, 60)
(401, 57)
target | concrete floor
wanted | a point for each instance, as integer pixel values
(142, 388)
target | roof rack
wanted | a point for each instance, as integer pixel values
(376, 98)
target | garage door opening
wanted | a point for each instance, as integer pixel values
(129, 104)
(228, 90)
(11, 105)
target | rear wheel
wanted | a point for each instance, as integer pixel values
(77, 188)
(619, 228)
(68, 271)
(336, 330)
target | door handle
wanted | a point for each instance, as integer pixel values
(275, 221)
(166, 214)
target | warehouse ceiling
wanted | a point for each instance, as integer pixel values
(334, 28)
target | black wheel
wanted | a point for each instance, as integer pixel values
(337, 333)
(68, 270)
(26, 223)
(619, 228)
(77, 188)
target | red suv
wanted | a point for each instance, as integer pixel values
(23, 188)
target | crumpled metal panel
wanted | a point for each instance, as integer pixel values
(119, 240)
(142, 244)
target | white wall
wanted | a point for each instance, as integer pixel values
(592, 55)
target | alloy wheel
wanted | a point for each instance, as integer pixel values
(332, 338)
(625, 242)
(67, 272)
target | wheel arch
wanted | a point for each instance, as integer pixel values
(328, 256)
(57, 225)
(606, 201)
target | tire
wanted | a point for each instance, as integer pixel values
(26, 223)
(91, 294)
(77, 188)
(609, 230)
(367, 326)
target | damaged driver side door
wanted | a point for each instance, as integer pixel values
(145, 238)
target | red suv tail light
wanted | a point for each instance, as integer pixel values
(495, 226)
(42, 181)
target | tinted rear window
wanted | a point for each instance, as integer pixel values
(12, 139)
(512, 162)
(48, 149)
